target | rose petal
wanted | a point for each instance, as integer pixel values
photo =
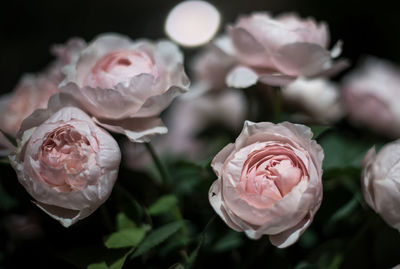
(241, 77)
(136, 129)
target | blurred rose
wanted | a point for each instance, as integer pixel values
(65, 54)
(22, 226)
(371, 95)
(269, 181)
(318, 98)
(380, 182)
(277, 50)
(189, 116)
(125, 84)
(31, 93)
(34, 91)
(211, 66)
(65, 161)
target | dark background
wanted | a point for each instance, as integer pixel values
(28, 28)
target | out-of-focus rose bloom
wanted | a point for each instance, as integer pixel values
(187, 117)
(371, 95)
(275, 51)
(22, 226)
(65, 54)
(318, 98)
(269, 181)
(211, 66)
(380, 181)
(125, 84)
(65, 161)
(31, 93)
(34, 91)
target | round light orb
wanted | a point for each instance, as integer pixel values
(192, 23)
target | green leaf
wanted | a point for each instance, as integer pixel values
(344, 211)
(177, 266)
(119, 263)
(7, 201)
(230, 241)
(163, 204)
(125, 238)
(100, 265)
(306, 265)
(341, 151)
(318, 130)
(157, 236)
(123, 222)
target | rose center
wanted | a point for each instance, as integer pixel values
(63, 155)
(119, 67)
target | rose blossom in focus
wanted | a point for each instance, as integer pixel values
(275, 51)
(65, 161)
(269, 181)
(34, 91)
(318, 98)
(371, 95)
(125, 84)
(380, 181)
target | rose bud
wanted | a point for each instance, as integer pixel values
(65, 161)
(269, 181)
(125, 84)
(275, 51)
(380, 181)
(371, 95)
(318, 99)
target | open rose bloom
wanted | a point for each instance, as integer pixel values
(269, 181)
(275, 51)
(125, 84)
(34, 90)
(371, 96)
(65, 162)
(380, 181)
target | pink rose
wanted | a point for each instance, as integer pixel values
(65, 161)
(371, 95)
(380, 181)
(319, 99)
(188, 117)
(269, 181)
(32, 92)
(125, 84)
(277, 50)
(211, 66)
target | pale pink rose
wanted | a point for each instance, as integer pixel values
(188, 116)
(211, 66)
(65, 161)
(65, 54)
(371, 95)
(275, 51)
(319, 100)
(269, 181)
(380, 182)
(125, 84)
(32, 92)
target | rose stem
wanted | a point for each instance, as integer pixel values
(276, 99)
(157, 161)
